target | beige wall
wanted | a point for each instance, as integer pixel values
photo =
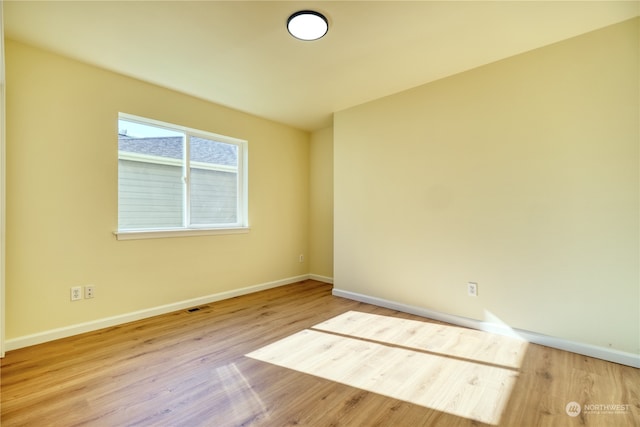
(521, 175)
(62, 198)
(321, 208)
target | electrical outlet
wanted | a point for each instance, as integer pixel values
(472, 289)
(89, 292)
(301, 258)
(76, 293)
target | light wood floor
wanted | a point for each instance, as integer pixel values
(298, 356)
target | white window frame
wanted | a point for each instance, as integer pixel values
(242, 224)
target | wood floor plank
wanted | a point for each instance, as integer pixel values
(195, 369)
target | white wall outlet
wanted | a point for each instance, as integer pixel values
(89, 292)
(472, 289)
(301, 258)
(76, 293)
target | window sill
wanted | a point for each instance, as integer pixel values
(187, 232)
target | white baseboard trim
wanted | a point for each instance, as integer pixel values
(611, 355)
(323, 279)
(94, 325)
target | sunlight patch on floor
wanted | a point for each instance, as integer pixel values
(454, 370)
(437, 338)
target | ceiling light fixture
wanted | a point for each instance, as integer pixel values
(307, 25)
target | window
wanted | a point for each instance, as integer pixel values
(178, 181)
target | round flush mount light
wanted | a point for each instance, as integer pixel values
(307, 25)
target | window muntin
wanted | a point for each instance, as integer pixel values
(175, 178)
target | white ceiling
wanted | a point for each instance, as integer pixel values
(239, 54)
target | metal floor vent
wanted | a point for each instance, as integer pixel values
(194, 309)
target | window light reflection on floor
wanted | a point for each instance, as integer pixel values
(459, 371)
(239, 402)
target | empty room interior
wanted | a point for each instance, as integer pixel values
(426, 213)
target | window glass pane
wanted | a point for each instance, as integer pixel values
(214, 182)
(151, 188)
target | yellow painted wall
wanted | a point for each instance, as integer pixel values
(321, 207)
(62, 198)
(521, 175)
